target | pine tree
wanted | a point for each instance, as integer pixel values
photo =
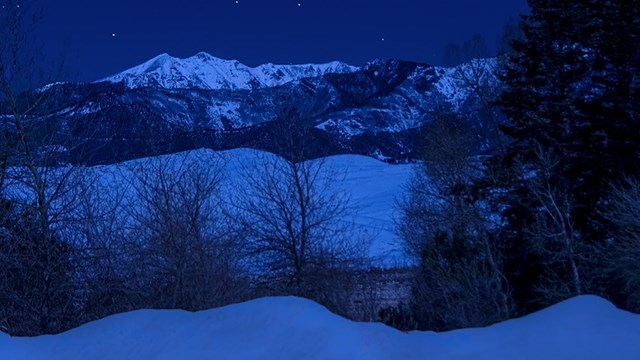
(572, 98)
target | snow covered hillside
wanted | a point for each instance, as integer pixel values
(373, 187)
(585, 327)
(203, 71)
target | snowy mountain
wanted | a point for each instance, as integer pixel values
(206, 72)
(585, 327)
(167, 105)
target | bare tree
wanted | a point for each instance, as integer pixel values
(552, 233)
(37, 276)
(104, 249)
(474, 72)
(186, 246)
(298, 226)
(623, 252)
(37, 293)
(478, 77)
(449, 165)
(459, 282)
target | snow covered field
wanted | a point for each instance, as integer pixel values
(372, 186)
(585, 327)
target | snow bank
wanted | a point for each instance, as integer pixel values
(585, 327)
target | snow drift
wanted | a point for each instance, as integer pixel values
(585, 327)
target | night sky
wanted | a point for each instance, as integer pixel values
(99, 38)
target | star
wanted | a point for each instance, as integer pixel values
(237, 2)
(113, 35)
(299, 4)
(382, 39)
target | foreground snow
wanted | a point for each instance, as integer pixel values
(585, 327)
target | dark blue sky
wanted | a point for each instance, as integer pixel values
(259, 31)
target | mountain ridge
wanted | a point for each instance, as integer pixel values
(207, 72)
(379, 110)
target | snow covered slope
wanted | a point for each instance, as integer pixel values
(203, 71)
(372, 185)
(585, 327)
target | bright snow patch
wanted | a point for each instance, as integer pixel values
(585, 327)
(203, 71)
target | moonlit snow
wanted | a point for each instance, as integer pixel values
(204, 71)
(585, 327)
(372, 186)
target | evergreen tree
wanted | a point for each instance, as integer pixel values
(571, 95)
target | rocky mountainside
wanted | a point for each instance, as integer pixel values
(168, 104)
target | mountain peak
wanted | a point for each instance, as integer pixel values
(203, 54)
(162, 57)
(205, 71)
(155, 63)
(206, 57)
